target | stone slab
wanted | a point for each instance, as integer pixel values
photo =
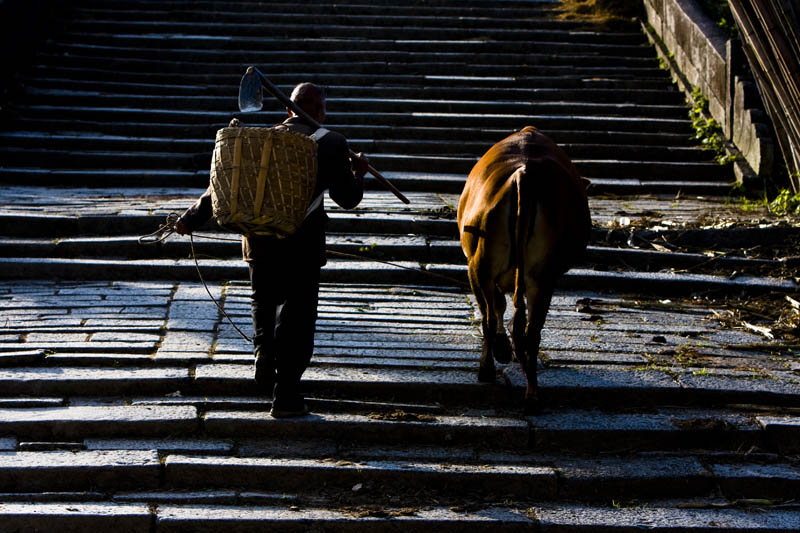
(184, 446)
(605, 478)
(20, 358)
(403, 385)
(101, 381)
(78, 422)
(740, 387)
(558, 518)
(75, 517)
(598, 385)
(211, 519)
(450, 430)
(758, 481)
(298, 474)
(783, 432)
(82, 470)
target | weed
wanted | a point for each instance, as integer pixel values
(707, 130)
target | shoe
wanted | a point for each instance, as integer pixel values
(289, 410)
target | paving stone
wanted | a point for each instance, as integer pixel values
(595, 385)
(209, 497)
(631, 519)
(202, 519)
(31, 402)
(171, 445)
(284, 446)
(28, 497)
(621, 479)
(99, 359)
(29, 357)
(67, 470)
(401, 384)
(101, 381)
(116, 336)
(189, 324)
(504, 432)
(760, 481)
(783, 432)
(562, 357)
(75, 517)
(98, 421)
(296, 474)
(739, 387)
(187, 341)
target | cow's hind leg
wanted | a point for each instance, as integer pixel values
(501, 349)
(538, 295)
(484, 292)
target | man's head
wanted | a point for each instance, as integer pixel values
(311, 99)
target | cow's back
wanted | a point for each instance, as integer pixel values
(552, 184)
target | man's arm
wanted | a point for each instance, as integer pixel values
(344, 175)
(195, 216)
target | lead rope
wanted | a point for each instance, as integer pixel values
(168, 228)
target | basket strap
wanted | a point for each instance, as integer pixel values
(266, 154)
(319, 134)
(315, 203)
(237, 163)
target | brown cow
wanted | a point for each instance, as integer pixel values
(524, 220)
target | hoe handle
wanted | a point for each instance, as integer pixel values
(268, 85)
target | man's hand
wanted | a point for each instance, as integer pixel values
(181, 228)
(360, 164)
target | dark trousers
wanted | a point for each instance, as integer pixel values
(285, 291)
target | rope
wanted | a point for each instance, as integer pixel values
(197, 266)
(165, 230)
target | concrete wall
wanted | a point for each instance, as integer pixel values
(701, 55)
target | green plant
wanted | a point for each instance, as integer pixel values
(786, 203)
(708, 130)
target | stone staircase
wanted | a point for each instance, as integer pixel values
(126, 398)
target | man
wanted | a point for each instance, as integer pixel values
(285, 273)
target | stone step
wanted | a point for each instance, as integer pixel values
(358, 271)
(543, 478)
(474, 52)
(146, 45)
(205, 83)
(205, 124)
(389, 162)
(183, 148)
(593, 384)
(534, 66)
(246, 9)
(376, 27)
(30, 130)
(44, 90)
(661, 516)
(387, 248)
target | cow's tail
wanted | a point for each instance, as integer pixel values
(523, 228)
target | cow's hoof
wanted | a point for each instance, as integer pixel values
(502, 349)
(486, 375)
(532, 405)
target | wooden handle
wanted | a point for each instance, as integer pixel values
(297, 110)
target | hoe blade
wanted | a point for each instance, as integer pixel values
(251, 95)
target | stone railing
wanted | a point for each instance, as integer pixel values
(701, 55)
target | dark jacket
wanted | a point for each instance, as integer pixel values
(333, 174)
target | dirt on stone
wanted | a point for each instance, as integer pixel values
(399, 415)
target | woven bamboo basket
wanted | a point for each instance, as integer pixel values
(262, 180)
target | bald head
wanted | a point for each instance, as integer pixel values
(311, 99)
